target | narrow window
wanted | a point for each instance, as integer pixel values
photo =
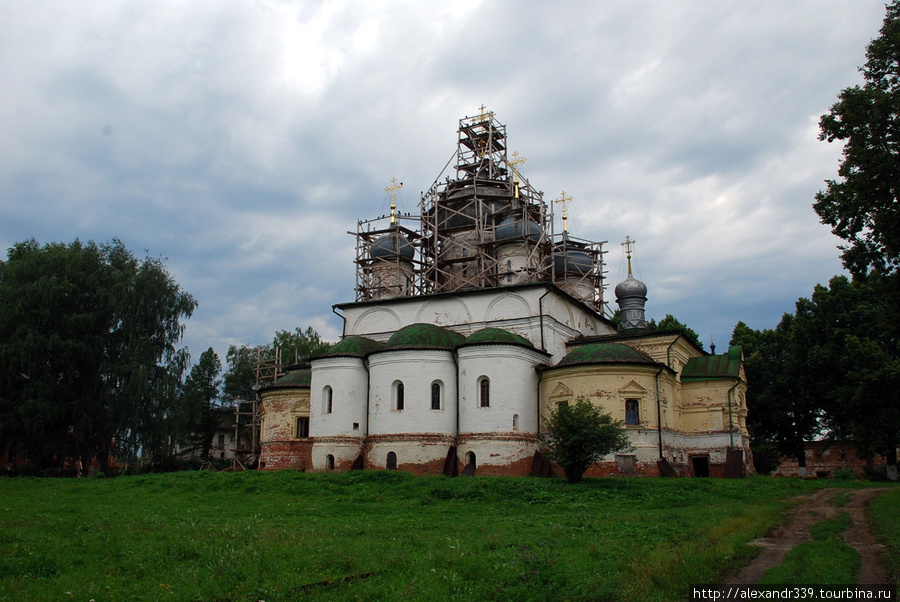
(221, 441)
(398, 396)
(484, 393)
(328, 400)
(436, 396)
(391, 461)
(470, 459)
(302, 428)
(329, 462)
(632, 415)
(515, 422)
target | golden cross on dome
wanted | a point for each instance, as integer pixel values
(629, 247)
(393, 188)
(515, 164)
(564, 199)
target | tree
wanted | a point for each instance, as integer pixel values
(863, 207)
(88, 358)
(580, 435)
(830, 369)
(300, 345)
(295, 347)
(202, 394)
(671, 323)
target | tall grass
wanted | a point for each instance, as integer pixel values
(884, 514)
(376, 535)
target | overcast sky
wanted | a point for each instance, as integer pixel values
(241, 139)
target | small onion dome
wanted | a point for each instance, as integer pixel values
(631, 287)
(424, 336)
(497, 336)
(391, 245)
(516, 227)
(576, 263)
(354, 346)
(604, 353)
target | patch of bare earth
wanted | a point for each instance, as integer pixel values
(811, 510)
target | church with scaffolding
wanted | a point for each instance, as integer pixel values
(472, 321)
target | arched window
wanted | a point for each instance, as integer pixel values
(632, 413)
(327, 400)
(484, 393)
(470, 459)
(515, 422)
(391, 461)
(329, 462)
(436, 396)
(399, 396)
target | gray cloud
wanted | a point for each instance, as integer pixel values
(242, 140)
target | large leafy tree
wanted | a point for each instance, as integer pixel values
(863, 206)
(202, 392)
(832, 369)
(581, 434)
(784, 408)
(89, 363)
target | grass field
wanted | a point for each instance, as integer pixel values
(378, 535)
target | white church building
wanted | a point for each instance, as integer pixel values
(472, 321)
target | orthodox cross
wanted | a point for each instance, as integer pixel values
(393, 188)
(515, 164)
(629, 247)
(564, 199)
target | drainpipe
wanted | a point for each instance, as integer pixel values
(731, 417)
(343, 319)
(659, 415)
(456, 437)
(541, 312)
(669, 351)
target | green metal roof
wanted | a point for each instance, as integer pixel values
(354, 346)
(709, 367)
(424, 336)
(297, 377)
(497, 336)
(605, 353)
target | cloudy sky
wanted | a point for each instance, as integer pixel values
(242, 139)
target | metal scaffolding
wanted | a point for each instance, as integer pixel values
(247, 414)
(481, 224)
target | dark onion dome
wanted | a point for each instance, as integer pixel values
(631, 287)
(497, 336)
(424, 336)
(354, 346)
(576, 263)
(391, 245)
(604, 353)
(516, 227)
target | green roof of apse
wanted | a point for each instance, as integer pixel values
(497, 336)
(424, 336)
(299, 376)
(604, 353)
(354, 346)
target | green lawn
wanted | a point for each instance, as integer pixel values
(377, 535)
